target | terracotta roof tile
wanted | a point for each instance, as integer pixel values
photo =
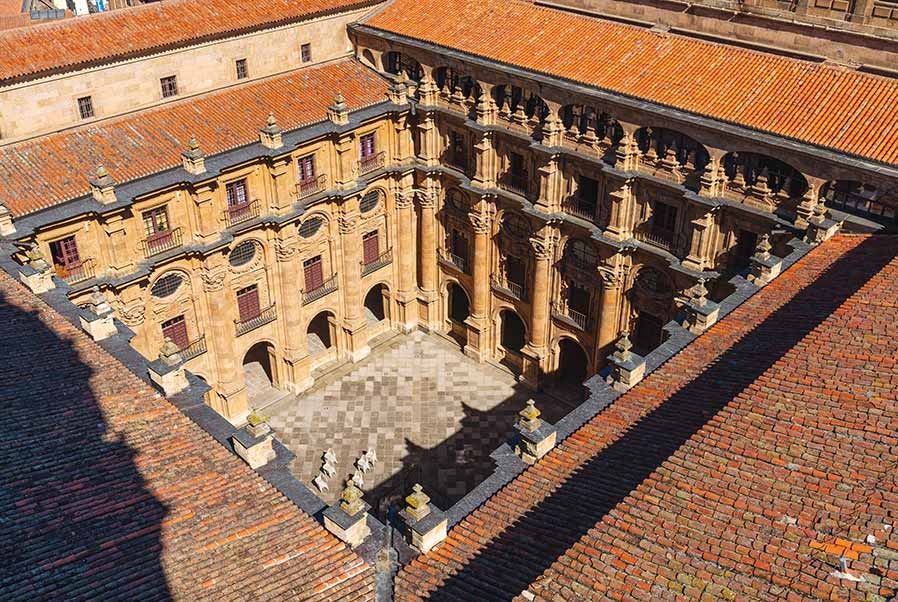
(814, 103)
(741, 469)
(107, 491)
(47, 170)
(153, 27)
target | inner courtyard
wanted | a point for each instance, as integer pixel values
(432, 414)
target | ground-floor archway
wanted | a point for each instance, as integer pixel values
(259, 371)
(459, 305)
(320, 333)
(513, 333)
(572, 363)
(374, 304)
(648, 333)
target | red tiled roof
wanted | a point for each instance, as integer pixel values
(47, 170)
(107, 491)
(819, 104)
(739, 470)
(10, 7)
(153, 27)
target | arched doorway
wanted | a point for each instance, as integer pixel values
(514, 334)
(648, 333)
(572, 364)
(259, 371)
(459, 310)
(320, 333)
(374, 304)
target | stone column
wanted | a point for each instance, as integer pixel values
(805, 209)
(230, 384)
(354, 324)
(296, 352)
(535, 352)
(479, 322)
(406, 296)
(428, 257)
(120, 252)
(428, 139)
(551, 185)
(609, 311)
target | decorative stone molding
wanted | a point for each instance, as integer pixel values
(348, 519)
(348, 223)
(426, 524)
(270, 135)
(543, 247)
(701, 313)
(284, 250)
(398, 90)
(102, 188)
(131, 314)
(193, 160)
(213, 279)
(427, 199)
(404, 199)
(764, 266)
(480, 222)
(167, 372)
(535, 437)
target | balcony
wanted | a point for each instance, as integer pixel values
(74, 273)
(385, 258)
(459, 162)
(454, 261)
(664, 239)
(306, 188)
(580, 208)
(161, 242)
(517, 183)
(571, 316)
(237, 214)
(371, 162)
(194, 349)
(327, 287)
(508, 287)
(269, 314)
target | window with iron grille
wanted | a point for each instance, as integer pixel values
(155, 221)
(167, 286)
(176, 330)
(370, 201)
(242, 72)
(248, 303)
(169, 86)
(310, 227)
(236, 193)
(305, 167)
(370, 247)
(86, 107)
(366, 146)
(313, 273)
(306, 51)
(64, 252)
(242, 253)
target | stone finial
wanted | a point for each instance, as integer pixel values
(763, 248)
(270, 135)
(351, 499)
(169, 353)
(820, 211)
(529, 417)
(102, 187)
(35, 258)
(6, 226)
(98, 303)
(193, 160)
(623, 346)
(338, 112)
(398, 91)
(418, 502)
(257, 424)
(699, 293)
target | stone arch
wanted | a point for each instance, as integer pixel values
(450, 81)
(376, 304)
(861, 199)
(572, 361)
(590, 123)
(260, 372)
(395, 62)
(513, 99)
(651, 297)
(580, 253)
(321, 332)
(660, 143)
(749, 169)
(368, 58)
(458, 302)
(512, 329)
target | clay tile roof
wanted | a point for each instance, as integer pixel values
(47, 170)
(739, 470)
(819, 104)
(108, 492)
(153, 27)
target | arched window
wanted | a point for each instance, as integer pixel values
(455, 200)
(653, 281)
(581, 254)
(310, 227)
(516, 226)
(167, 285)
(370, 201)
(242, 253)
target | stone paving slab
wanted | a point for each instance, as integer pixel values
(432, 414)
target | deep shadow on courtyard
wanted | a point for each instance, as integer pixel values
(432, 414)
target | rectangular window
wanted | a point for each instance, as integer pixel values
(664, 218)
(516, 164)
(236, 192)
(242, 72)
(589, 190)
(366, 146)
(248, 303)
(65, 257)
(457, 155)
(155, 222)
(314, 273)
(514, 270)
(306, 51)
(169, 86)
(578, 299)
(370, 247)
(306, 168)
(459, 245)
(85, 107)
(176, 330)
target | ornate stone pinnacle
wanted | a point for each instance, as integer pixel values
(820, 211)
(101, 172)
(193, 144)
(699, 293)
(418, 502)
(169, 353)
(623, 346)
(35, 257)
(339, 101)
(271, 122)
(256, 418)
(530, 416)
(762, 250)
(351, 499)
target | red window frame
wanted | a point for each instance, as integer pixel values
(237, 193)
(248, 303)
(64, 253)
(156, 223)
(366, 146)
(313, 273)
(371, 247)
(176, 330)
(306, 168)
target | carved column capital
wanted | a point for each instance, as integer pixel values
(543, 247)
(480, 222)
(404, 199)
(285, 249)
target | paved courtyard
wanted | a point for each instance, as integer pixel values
(432, 414)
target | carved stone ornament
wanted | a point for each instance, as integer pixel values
(213, 280)
(284, 249)
(426, 198)
(348, 223)
(480, 223)
(131, 314)
(404, 199)
(610, 277)
(542, 247)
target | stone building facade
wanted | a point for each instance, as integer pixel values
(531, 219)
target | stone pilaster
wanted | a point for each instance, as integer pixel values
(279, 169)
(354, 324)
(485, 161)
(121, 249)
(622, 203)
(428, 257)
(296, 355)
(478, 322)
(700, 249)
(551, 184)
(535, 351)
(407, 294)
(428, 139)
(207, 216)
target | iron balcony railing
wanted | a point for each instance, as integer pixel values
(452, 260)
(516, 183)
(385, 258)
(237, 214)
(269, 314)
(509, 287)
(311, 186)
(580, 208)
(162, 242)
(656, 237)
(74, 273)
(194, 349)
(327, 287)
(371, 162)
(571, 316)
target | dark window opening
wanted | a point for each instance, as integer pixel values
(459, 306)
(513, 332)
(588, 190)
(64, 254)
(578, 299)
(306, 51)
(746, 242)
(242, 71)
(648, 334)
(169, 86)
(86, 107)
(664, 220)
